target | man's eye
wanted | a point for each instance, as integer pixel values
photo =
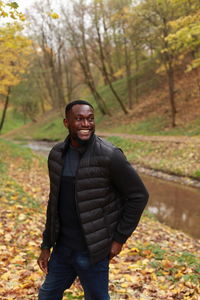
(78, 119)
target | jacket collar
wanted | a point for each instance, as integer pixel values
(81, 149)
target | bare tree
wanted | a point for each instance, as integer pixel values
(55, 64)
(102, 58)
(76, 29)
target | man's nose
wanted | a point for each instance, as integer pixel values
(85, 123)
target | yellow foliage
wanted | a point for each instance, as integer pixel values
(54, 15)
(15, 50)
(9, 9)
(119, 73)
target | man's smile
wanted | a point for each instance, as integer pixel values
(85, 131)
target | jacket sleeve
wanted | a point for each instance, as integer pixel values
(46, 237)
(133, 194)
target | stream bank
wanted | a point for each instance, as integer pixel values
(43, 147)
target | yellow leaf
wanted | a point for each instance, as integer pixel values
(5, 276)
(54, 15)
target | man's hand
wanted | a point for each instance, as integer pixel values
(43, 260)
(115, 249)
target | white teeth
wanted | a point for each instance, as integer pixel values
(84, 131)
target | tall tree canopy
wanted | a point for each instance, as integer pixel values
(96, 43)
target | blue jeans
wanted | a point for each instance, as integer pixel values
(65, 265)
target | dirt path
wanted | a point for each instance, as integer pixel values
(157, 138)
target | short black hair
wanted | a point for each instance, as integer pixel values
(71, 104)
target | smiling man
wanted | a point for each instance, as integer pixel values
(95, 203)
(80, 123)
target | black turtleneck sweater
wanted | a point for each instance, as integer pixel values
(71, 234)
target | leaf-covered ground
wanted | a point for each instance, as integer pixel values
(156, 263)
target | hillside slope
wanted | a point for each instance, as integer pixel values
(150, 115)
(176, 153)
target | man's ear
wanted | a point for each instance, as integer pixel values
(65, 122)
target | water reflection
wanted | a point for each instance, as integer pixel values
(174, 204)
(42, 147)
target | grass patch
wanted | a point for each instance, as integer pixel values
(171, 267)
(14, 193)
(152, 250)
(48, 127)
(2, 167)
(53, 130)
(13, 120)
(132, 149)
(11, 151)
(15, 153)
(70, 296)
(197, 174)
(181, 159)
(19, 157)
(153, 126)
(149, 215)
(190, 129)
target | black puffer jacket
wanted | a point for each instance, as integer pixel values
(109, 195)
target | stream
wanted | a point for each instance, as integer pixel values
(174, 204)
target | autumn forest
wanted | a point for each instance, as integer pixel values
(138, 63)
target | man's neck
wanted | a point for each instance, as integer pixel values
(80, 143)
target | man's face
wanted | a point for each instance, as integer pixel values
(80, 123)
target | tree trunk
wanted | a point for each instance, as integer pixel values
(59, 81)
(107, 45)
(90, 80)
(42, 104)
(170, 77)
(90, 83)
(137, 76)
(128, 73)
(104, 69)
(68, 77)
(168, 61)
(5, 109)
